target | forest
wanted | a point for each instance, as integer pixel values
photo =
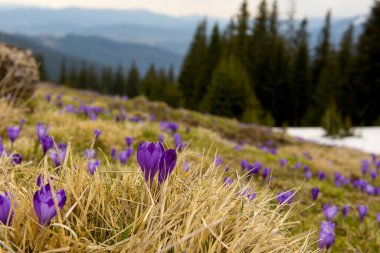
(261, 69)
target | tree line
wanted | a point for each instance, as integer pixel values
(156, 84)
(256, 70)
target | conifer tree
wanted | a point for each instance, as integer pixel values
(119, 83)
(63, 74)
(367, 85)
(241, 48)
(229, 92)
(192, 73)
(300, 79)
(133, 83)
(149, 82)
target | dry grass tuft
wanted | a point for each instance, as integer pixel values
(115, 211)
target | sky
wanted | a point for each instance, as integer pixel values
(216, 8)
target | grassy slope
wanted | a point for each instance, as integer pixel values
(114, 210)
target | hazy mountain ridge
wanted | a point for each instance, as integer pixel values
(136, 26)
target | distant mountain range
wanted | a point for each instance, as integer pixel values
(112, 37)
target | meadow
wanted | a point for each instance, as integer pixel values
(230, 187)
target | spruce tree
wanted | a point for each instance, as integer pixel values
(149, 83)
(300, 79)
(192, 73)
(367, 85)
(133, 83)
(241, 43)
(63, 73)
(119, 83)
(229, 93)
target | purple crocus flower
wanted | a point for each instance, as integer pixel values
(228, 181)
(48, 97)
(370, 190)
(97, 133)
(178, 142)
(254, 169)
(298, 165)
(47, 143)
(326, 235)
(266, 173)
(218, 161)
(169, 127)
(187, 129)
(6, 214)
(252, 196)
(93, 165)
(306, 168)
(89, 153)
(59, 157)
(330, 211)
(244, 164)
(315, 193)
(13, 132)
(167, 163)
(151, 117)
(148, 157)
(113, 153)
(44, 204)
(186, 166)
(129, 141)
(365, 166)
(285, 197)
(238, 147)
(378, 219)
(283, 162)
(345, 210)
(124, 157)
(17, 158)
(41, 130)
(308, 174)
(321, 175)
(373, 174)
(152, 159)
(362, 210)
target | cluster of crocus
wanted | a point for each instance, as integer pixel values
(152, 158)
(125, 155)
(6, 209)
(326, 235)
(169, 127)
(254, 168)
(340, 180)
(285, 197)
(44, 203)
(249, 193)
(268, 147)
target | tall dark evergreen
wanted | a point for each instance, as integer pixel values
(133, 82)
(63, 72)
(119, 83)
(242, 39)
(229, 91)
(149, 83)
(192, 73)
(300, 77)
(367, 86)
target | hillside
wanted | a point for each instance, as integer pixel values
(97, 51)
(209, 203)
